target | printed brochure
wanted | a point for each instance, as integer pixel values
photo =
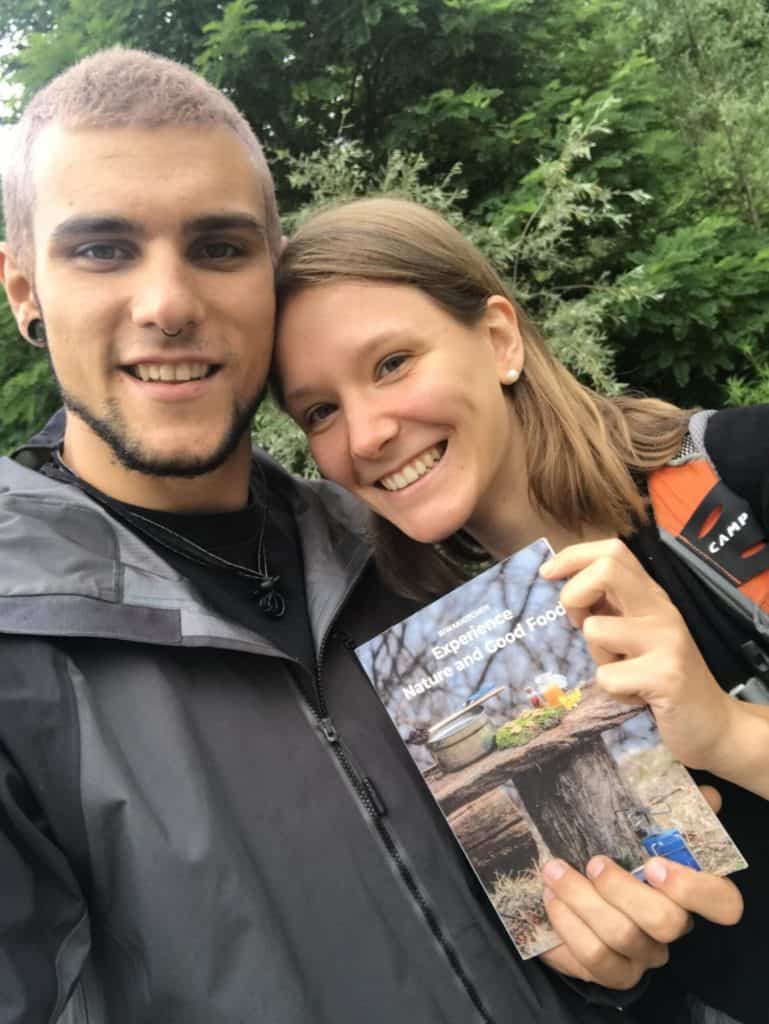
(491, 689)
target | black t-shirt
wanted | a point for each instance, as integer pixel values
(726, 968)
(235, 538)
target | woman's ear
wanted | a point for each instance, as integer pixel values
(506, 339)
(21, 294)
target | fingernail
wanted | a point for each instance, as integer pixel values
(595, 867)
(544, 569)
(554, 870)
(547, 894)
(655, 871)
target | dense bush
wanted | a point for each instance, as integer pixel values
(608, 155)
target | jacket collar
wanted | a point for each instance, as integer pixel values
(70, 569)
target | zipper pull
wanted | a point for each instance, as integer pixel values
(329, 730)
(345, 639)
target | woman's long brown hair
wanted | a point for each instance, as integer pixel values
(585, 453)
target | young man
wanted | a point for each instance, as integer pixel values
(205, 814)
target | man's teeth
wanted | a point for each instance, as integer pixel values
(413, 471)
(170, 371)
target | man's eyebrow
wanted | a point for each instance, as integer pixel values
(76, 227)
(225, 222)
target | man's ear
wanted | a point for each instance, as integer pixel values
(506, 339)
(20, 291)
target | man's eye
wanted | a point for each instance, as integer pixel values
(102, 252)
(315, 416)
(215, 251)
(390, 364)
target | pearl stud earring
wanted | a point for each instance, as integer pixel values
(512, 375)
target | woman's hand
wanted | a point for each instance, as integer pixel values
(643, 649)
(614, 928)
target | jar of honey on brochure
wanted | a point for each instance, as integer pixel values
(551, 686)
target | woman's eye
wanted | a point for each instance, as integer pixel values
(391, 364)
(317, 414)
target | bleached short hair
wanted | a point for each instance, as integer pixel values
(118, 88)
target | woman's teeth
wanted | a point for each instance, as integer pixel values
(413, 471)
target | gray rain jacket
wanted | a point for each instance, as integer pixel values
(188, 838)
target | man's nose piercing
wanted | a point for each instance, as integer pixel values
(171, 334)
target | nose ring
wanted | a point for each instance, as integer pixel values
(171, 334)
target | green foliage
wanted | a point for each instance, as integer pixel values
(526, 726)
(546, 219)
(712, 54)
(27, 391)
(51, 37)
(241, 40)
(277, 433)
(713, 314)
(608, 155)
(554, 198)
(343, 169)
(747, 391)
(83, 27)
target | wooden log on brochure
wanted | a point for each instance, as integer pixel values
(578, 802)
(495, 835)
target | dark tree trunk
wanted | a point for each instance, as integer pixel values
(495, 835)
(578, 801)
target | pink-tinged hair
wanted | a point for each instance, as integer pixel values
(119, 88)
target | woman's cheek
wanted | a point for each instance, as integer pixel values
(329, 455)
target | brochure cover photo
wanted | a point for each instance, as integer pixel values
(491, 688)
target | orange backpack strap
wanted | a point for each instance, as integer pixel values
(717, 534)
(693, 505)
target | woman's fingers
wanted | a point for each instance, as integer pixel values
(716, 899)
(601, 940)
(561, 959)
(603, 576)
(640, 660)
(577, 556)
(614, 928)
(593, 959)
(712, 798)
(611, 637)
(608, 889)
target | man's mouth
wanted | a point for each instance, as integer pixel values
(414, 470)
(171, 373)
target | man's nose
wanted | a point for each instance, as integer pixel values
(166, 295)
(370, 428)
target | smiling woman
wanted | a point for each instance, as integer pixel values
(425, 391)
(404, 408)
(431, 395)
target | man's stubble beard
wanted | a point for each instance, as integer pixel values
(113, 430)
(129, 451)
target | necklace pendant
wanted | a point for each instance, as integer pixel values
(273, 603)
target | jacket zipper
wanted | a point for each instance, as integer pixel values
(370, 799)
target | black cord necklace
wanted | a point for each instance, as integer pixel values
(270, 600)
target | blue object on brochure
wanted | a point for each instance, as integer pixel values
(671, 845)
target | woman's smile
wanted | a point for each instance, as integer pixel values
(401, 401)
(414, 470)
